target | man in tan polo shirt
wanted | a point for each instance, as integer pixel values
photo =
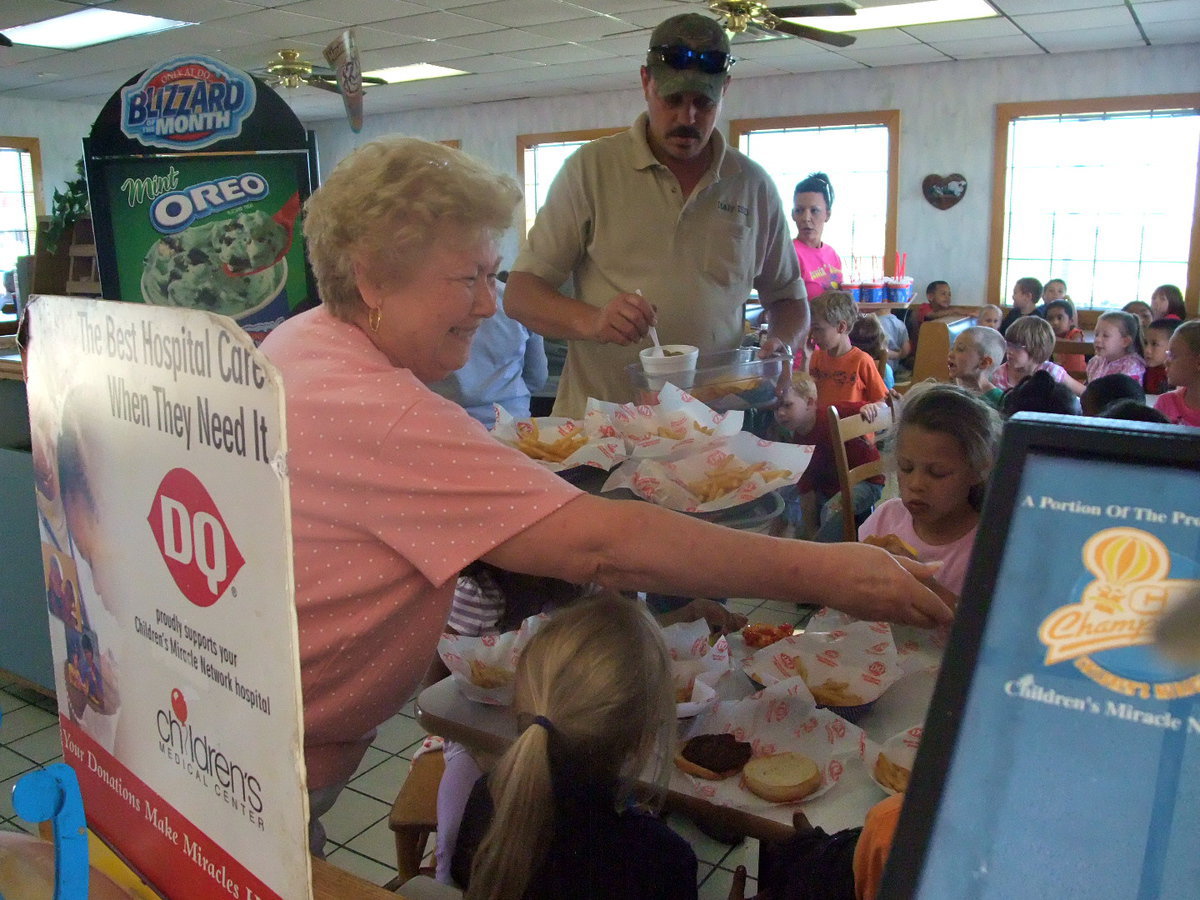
(664, 224)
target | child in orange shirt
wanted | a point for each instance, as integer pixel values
(842, 372)
(1061, 316)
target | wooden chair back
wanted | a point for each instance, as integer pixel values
(935, 339)
(843, 430)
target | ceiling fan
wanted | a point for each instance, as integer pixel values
(288, 70)
(739, 16)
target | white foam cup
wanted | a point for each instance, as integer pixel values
(676, 363)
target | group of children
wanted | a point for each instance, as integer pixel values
(849, 371)
(572, 763)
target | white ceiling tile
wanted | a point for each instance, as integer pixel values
(13, 14)
(1079, 19)
(505, 40)
(991, 47)
(875, 39)
(520, 13)
(1183, 32)
(1091, 39)
(193, 11)
(560, 53)
(963, 31)
(434, 25)
(894, 56)
(1167, 11)
(588, 29)
(492, 62)
(1025, 7)
(370, 39)
(359, 12)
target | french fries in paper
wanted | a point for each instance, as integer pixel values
(849, 666)
(484, 667)
(560, 443)
(696, 664)
(677, 421)
(724, 473)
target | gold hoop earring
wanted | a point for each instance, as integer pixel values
(374, 317)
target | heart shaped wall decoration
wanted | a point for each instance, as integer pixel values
(943, 191)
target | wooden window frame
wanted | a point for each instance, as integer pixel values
(1006, 112)
(529, 141)
(886, 117)
(33, 147)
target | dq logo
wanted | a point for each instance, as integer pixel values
(195, 544)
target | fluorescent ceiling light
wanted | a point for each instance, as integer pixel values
(87, 28)
(900, 15)
(415, 72)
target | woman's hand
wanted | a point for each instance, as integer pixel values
(876, 586)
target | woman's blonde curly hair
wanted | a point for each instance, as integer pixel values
(385, 204)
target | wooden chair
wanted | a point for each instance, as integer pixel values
(937, 336)
(843, 430)
(414, 815)
(1075, 348)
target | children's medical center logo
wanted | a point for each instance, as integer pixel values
(192, 536)
(1119, 609)
(188, 102)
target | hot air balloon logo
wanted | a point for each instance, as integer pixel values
(1122, 559)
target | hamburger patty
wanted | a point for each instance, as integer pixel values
(717, 752)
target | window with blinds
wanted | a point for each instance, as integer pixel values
(20, 180)
(1104, 199)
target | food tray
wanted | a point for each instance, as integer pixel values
(725, 380)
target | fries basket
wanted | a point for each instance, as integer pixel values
(728, 379)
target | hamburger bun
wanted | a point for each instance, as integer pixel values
(713, 756)
(782, 778)
(891, 775)
(893, 544)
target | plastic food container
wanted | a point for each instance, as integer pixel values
(727, 379)
(873, 293)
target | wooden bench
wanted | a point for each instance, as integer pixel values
(933, 348)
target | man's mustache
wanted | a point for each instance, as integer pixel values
(684, 131)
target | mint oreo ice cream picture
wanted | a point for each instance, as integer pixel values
(188, 268)
(249, 241)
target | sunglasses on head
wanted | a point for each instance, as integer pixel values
(678, 56)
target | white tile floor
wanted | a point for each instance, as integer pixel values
(359, 838)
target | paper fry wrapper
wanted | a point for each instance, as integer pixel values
(678, 482)
(594, 438)
(678, 421)
(484, 667)
(919, 649)
(779, 719)
(696, 666)
(845, 668)
(899, 752)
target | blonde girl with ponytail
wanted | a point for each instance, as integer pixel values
(555, 818)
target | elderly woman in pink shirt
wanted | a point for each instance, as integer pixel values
(395, 489)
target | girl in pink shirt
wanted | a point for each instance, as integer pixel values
(945, 446)
(1118, 345)
(1182, 405)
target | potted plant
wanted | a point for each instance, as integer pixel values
(68, 207)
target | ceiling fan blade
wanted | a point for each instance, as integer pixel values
(318, 81)
(833, 38)
(806, 10)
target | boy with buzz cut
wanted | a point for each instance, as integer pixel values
(803, 420)
(842, 372)
(977, 353)
(1025, 296)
